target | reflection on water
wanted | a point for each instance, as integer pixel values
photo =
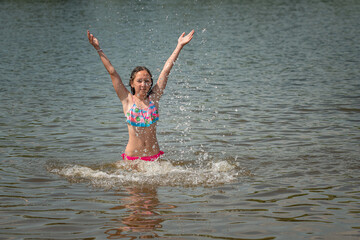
(140, 215)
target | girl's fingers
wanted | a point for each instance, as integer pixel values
(90, 37)
(191, 34)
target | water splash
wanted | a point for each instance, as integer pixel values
(161, 173)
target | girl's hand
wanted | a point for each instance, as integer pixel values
(93, 40)
(182, 41)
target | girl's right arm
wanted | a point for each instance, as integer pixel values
(119, 87)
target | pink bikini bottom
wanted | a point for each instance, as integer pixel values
(147, 158)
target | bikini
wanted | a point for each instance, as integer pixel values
(142, 118)
(147, 158)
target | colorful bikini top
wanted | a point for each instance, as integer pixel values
(142, 118)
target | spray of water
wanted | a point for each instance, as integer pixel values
(160, 173)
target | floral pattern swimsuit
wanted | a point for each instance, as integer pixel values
(142, 117)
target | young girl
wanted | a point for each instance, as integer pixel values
(141, 105)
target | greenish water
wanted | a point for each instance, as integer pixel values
(259, 122)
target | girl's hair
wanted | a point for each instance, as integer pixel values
(132, 76)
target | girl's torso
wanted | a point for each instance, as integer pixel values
(141, 121)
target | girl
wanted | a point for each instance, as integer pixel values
(141, 105)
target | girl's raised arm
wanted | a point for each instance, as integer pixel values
(163, 77)
(119, 87)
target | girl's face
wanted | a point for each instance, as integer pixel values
(141, 83)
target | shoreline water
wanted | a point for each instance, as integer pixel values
(264, 143)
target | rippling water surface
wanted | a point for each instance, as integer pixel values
(260, 121)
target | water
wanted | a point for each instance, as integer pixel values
(259, 122)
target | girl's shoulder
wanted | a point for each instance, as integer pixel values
(128, 102)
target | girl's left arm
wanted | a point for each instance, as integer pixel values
(164, 75)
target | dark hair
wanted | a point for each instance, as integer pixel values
(132, 76)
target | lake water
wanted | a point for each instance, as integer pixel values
(260, 122)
